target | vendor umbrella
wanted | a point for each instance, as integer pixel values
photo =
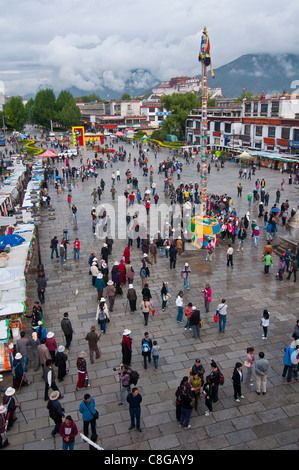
(12, 240)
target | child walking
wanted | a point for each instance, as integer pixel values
(155, 354)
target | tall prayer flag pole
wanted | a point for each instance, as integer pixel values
(205, 59)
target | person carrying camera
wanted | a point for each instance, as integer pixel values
(125, 379)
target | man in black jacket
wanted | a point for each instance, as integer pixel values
(195, 322)
(67, 329)
(134, 399)
(172, 256)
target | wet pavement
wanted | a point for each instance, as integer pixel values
(268, 421)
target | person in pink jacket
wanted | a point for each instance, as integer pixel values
(207, 292)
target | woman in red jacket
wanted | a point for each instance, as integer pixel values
(76, 249)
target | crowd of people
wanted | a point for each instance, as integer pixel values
(116, 279)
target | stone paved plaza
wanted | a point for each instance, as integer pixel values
(257, 422)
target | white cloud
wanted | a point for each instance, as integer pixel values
(98, 42)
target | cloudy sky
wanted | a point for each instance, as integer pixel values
(94, 43)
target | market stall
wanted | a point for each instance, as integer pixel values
(14, 265)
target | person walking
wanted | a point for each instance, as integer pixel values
(77, 247)
(186, 273)
(68, 431)
(207, 293)
(102, 314)
(195, 322)
(67, 329)
(22, 347)
(92, 338)
(74, 212)
(111, 293)
(295, 334)
(19, 377)
(132, 298)
(186, 408)
(53, 246)
(164, 295)
(44, 354)
(99, 285)
(261, 373)
(51, 345)
(216, 374)
(125, 382)
(89, 414)
(293, 268)
(34, 342)
(3, 428)
(11, 406)
(60, 362)
(146, 308)
(155, 354)
(241, 237)
(134, 399)
(195, 383)
(173, 255)
(265, 320)
(209, 394)
(237, 379)
(126, 347)
(229, 256)
(289, 363)
(222, 314)
(179, 303)
(267, 258)
(146, 349)
(41, 288)
(62, 253)
(83, 380)
(249, 365)
(56, 412)
(178, 394)
(50, 378)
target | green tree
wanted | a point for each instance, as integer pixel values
(15, 113)
(29, 109)
(125, 97)
(43, 110)
(88, 98)
(180, 105)
(64, 98)
(69, 115)
(248, 95)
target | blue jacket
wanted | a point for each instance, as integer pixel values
(88, 410)
(287, 356)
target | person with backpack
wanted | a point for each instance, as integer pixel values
(125, 382)
(146, 348)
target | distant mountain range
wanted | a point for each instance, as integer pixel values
(138, 83)
(257, 73)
